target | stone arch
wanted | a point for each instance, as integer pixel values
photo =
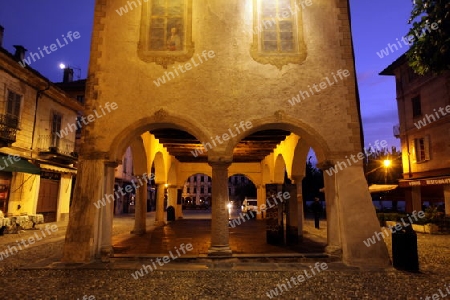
(280, 169)
(172, 178)
(300, 157)
(161, 119)
(266, 174)
(250, 176)
(209, 173)
(160, 169)
(278, 121)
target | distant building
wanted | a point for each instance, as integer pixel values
(123, 177)
(74, 89)
(424, 113)
(197, 190)
(124, 172)
(37, 150)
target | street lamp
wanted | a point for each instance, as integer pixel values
(386, 163)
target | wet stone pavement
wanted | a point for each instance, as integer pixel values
(36, 273)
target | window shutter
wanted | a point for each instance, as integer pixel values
(426, 142)
(17, 105)
(414, 150)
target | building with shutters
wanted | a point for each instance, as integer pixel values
(37, 141)
(424, 114)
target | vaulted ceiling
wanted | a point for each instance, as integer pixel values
(252, 148)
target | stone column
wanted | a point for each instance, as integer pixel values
(179, 207)
(357, 219)
(172, 194)
(261, 196)
(83, 215)
(292, 233)
(301, 214)
(140, 206)
(106, 213)
(334, 244)
(219, 220)
(447, 199)
(159, 216)
(416, 198)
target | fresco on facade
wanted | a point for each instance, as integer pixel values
(167, 25)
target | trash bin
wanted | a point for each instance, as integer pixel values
(170, 213)
(404, 250)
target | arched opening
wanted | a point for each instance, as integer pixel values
(273, 155)
(197, 193)
(240, 187)
(281, 157)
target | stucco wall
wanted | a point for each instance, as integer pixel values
(226, 89)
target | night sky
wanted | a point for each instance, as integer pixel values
(34, 24)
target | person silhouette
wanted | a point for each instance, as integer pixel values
(174, 40)
(317, 210)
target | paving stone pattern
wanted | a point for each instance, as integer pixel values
(35, 273)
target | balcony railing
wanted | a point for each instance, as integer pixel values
(53, 143)
(9, 125)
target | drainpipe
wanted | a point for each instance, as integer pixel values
(403, 100)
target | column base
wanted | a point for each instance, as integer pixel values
(138, 231)
(159, 223)
(334, 250)
(220, 251)
(105, 253)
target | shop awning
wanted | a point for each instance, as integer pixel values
(377, 188)
(9, 164)
(58, 169)
(424, 181)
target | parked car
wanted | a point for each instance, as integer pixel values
(249, 205)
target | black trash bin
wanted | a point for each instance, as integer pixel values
(404, 250)
(170, 213)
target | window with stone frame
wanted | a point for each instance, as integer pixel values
(416, 106)
(13, 105)
(278, 32)
(56, 129)
(422, 149)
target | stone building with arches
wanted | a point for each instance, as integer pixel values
(283, 80)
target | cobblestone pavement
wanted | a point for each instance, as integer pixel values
(251, 280)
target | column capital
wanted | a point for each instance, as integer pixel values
(298, 178)
(325, 164)
(94, 155)
(220, 161)
(111, 164)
